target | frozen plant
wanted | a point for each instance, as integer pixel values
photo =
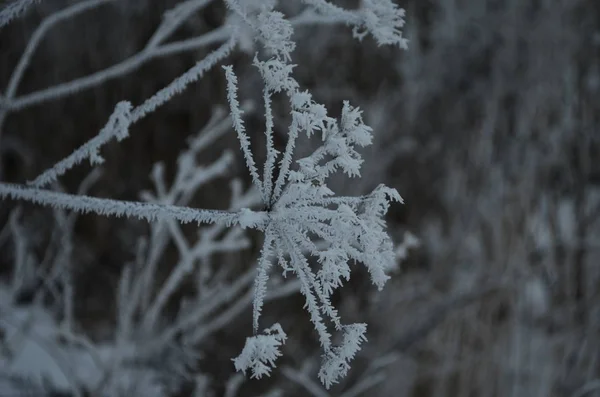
(309, 231)
(301, 208)
(144, 355)
(261, 351)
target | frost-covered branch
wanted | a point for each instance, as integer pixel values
(14, 9)
(123, 116)
(117, 127)
(154, 49)
(130, 209)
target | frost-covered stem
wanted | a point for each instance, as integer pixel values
(309, 17)
(234, 5)
(271, 151)
(297, 262)
(116, 128)
(14, 10)
(181, 82)
(262, 276)
(325, 307)
(285, 163)
(123, 117)
(108, 207)
(238, 126)
(173, 18)
(326, 8)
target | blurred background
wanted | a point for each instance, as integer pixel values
(488, 126)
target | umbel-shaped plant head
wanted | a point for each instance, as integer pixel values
(304, 219)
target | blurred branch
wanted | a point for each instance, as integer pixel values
(300, 379)
(152, 51)
(587, 388)
(7, 100)
(437, 312)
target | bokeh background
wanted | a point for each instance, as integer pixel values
(488, 126)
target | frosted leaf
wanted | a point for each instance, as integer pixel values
(384, 20)
(276, 33)
(300, 99)
(336, 362)
(276, 75)
(353, 127)
(260, 352)
(334, 268)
